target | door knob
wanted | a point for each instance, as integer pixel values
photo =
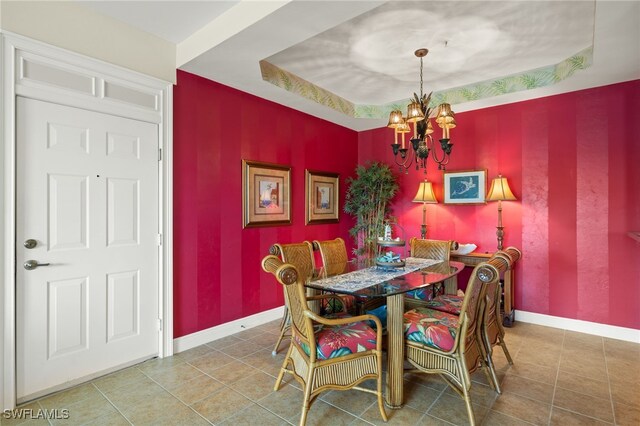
(30, 243)
(30, 265)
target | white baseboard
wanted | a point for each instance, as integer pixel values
(604, 330)
(223, 330)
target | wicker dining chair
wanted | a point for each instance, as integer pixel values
(426, 249)
(440, 343)
(491, 330)
(301, 256)
(334, 257)
(326, 354)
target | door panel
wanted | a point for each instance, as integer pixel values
(87, 191)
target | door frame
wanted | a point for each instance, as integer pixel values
(102, 73)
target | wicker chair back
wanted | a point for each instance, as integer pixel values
(430, 249)
(332, 252)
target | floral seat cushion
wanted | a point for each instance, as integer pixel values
(448, 303)
(340, 340)
(431, 328)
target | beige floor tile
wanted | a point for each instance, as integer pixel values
(522, 408)
(582, 340)
(432, 381)
(494, 418)
(264, 361)
(268, 340)
(87, 410)
(560, 417)
(582, 384)
(402, 417)
(419, 397)
(70, 396)
(178, 416)
(285, 403)
(542, 357)
(224, 342)
(594, 368)
(111, 419)
(175, 376)
(194, 353)
(241, 349)
(320, 411)
(211, 361)
(480, 394)
(196, 389)
(250, 334)
(528, 388)
(352, 401)
(626, 393)
(119, 379)
(157, 365)
(221, 405)
(453, 409)
(253, 415)
(255, 386)
(534, 372)
(153, 409)
(232, 372)
(587, 405)
(129, 396)
(626, 415)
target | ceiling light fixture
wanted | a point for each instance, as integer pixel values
(419, 113)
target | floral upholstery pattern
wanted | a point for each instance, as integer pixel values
(420, 294)
(448, 303)
(330, 306)
(431, 328)
(339, 340)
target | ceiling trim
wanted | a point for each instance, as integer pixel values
(527, 80)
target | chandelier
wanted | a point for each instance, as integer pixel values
(419, 113)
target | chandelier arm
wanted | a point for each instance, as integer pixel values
(404, 164)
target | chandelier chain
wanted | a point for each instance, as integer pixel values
(420, 77)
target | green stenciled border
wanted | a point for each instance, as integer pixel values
(527, 80)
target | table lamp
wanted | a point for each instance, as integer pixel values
(500, 191)
(425, 195)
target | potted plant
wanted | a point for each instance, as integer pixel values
(367, 199)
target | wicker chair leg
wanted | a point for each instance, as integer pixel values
(490, 374)
(284, 326)
(283, 369)
(467, 401)
(383, 413)
(307, 398)
(506, 351)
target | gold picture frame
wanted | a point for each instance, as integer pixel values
(322, 191)
(465, 187)
(266, 194)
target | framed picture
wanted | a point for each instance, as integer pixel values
(465, 187)
(321, 197)
(266, 194)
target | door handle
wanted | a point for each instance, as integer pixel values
(30, 265)
(30, 243)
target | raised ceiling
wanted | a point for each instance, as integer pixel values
(349, 62)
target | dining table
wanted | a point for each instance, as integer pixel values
(364, 280)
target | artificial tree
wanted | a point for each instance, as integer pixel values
(368, 196)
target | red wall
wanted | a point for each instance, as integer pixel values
(573, 161)
(217, 274)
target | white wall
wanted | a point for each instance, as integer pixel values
(79, 29)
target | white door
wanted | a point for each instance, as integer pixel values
(87, 193)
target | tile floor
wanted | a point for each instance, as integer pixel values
(559, 378)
